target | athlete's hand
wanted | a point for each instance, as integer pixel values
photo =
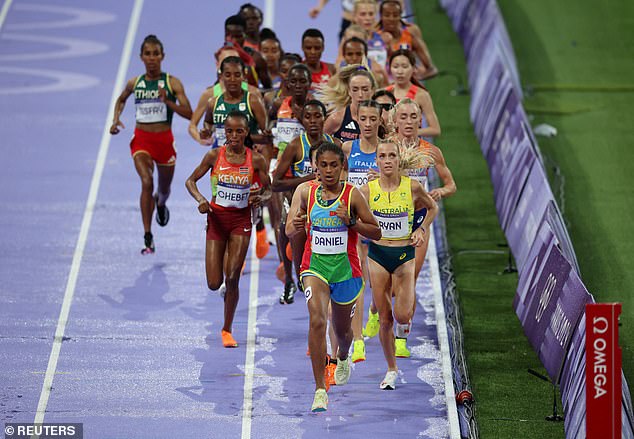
(342, 212)
(204, 207)
(436, 194)
(314, 12)
(206, 138)
(299, 222)
(162, 94)
(373, 175)
(114, 129)
(419, 236)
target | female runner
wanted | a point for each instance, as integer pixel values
(355, 84)
(402, 65)
(335, 213)
(234, 168)
(361, 157)
(157, 96)
(398, 203)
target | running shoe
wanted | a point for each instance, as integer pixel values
(389, 382)
(320, 402)
(262, 244)
(222, 290)
(162, 213)
(149, 244)
(329, 373)
(227, 340)
(400, 345)
(288, 296)
(358, 354)
(342, 372)
(289, 252)
(372, 326)
(280, 272)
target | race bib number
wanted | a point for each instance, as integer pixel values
(393, 225)
(329, 241)
(232, 195)
(420, 175)
(357, 177)
(287, 130)
(151, 112)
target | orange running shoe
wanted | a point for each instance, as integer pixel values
(329, 373)
(280, 273)
(227, 340)
(262, 244)
(289, 252)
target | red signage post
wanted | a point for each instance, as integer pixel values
(603, 371)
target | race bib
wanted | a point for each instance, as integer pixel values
(393, 225)
(329, 241)
(151, 112)
(287, 130)
(357, 177)
(232, 195)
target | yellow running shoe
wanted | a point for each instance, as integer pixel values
(358, 354)
(372, 326)
(401, 350)
(320, 402)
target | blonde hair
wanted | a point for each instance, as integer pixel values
(401, 103)
(366, 2)
(337, 97)
(408, 157)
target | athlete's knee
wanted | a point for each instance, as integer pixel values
(232, 280)
(147, 184)
(214, 284)
(318, 323)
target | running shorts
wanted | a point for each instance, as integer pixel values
(224, 222)
(160, 146)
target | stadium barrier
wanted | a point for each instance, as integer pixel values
(551, 298)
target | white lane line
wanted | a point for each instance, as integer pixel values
(4, 11)
(443, 339)
(269, 13)
(88, 212)
(249, 362)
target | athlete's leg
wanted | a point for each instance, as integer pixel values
(165, 176)
(382, 297)
(357, 320)
(236, 252)
(144, 166)
(214, 252)
(404, 294)
(317, 295)
(342, 322)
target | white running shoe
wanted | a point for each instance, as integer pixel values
(389, 382)
(220, 291)
(342, 372)
(320, 402)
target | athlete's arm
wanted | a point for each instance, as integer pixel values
(208, 122)
(423, 99)
(260, 166)
(259, 112)
(289, 156)
(449, 185)
(183, 108)
(120, 104)
(366, 223)
(296, 219)
(207, 164)
(198, 114)
(422, 200)
(333, 121)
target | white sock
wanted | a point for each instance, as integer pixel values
(402, 330)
